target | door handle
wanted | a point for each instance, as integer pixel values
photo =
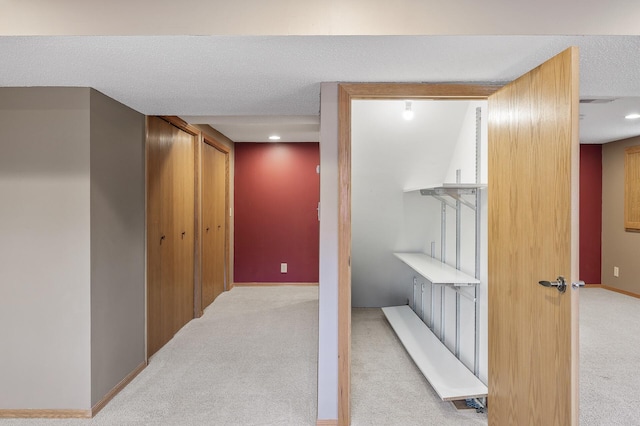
(559, 283)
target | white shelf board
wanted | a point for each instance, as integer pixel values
(418, 188)
(434, 270)
(448, 186)
(448, 376)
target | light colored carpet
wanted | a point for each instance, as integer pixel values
(386, 386)
(250, 360)
(609, 358)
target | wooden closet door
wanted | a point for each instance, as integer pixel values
(183, 208)
(214, 224)
(160, 234)
(170, 235)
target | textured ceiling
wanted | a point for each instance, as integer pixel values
(203, 76)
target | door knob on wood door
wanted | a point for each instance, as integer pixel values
(559, 283)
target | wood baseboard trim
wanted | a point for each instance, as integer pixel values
(617, 290)
(117, 388)
(274, 284)
(45, 414)
(593, 285)
(329, 422)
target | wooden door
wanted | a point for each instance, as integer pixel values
(170, 231)
(160, 233)
(214, 222)
(533, 169)
(184, 219)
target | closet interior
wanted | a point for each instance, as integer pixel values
(419, 234)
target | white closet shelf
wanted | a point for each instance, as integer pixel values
(445, 187)
(448, 376)
(435, 271)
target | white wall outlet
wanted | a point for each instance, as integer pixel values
(616, 271)
(283, 268)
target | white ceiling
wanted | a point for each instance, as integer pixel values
(258, 128)
(246, 85)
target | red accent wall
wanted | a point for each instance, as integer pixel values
(590, 213)
(277, 191)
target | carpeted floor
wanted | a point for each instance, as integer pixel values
(386, 386)
(251, 360)
(609, 358)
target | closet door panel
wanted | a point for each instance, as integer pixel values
(208, 225)
(170, 237)
(219, 196)
(214, 233)
(160, 241)
(184, 211)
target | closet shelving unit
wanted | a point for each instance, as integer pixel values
(447, 374)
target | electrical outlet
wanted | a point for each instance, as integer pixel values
(283, 268)
(616, 271)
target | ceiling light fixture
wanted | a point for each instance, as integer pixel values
(407, 114)
(632, 116)
(274, 138)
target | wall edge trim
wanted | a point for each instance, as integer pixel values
(327, 422)
(618, 290)
(44, 414)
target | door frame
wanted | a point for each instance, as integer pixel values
(371, 91)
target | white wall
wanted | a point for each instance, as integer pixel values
(328, 288)
(390, 154)
(44, 249)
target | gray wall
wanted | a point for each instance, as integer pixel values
(117, 243)
(44, 248)
(619, 247)
(328, 288)
(72, 312)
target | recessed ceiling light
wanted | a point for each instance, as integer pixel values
(274, 138)
(407, 114)
(632, 116)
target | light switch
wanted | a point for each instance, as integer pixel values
(283, 268)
